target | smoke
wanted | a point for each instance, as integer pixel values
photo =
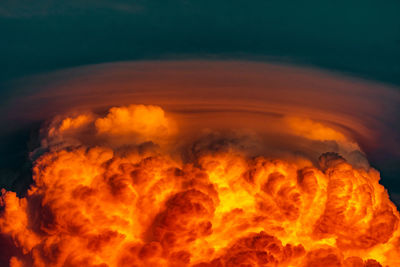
(202, 164)
(130, 189)
(275, 100)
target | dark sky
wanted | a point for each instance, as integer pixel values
(357, 38)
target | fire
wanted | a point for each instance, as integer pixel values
(111, 191)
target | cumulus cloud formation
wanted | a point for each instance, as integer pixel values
(136, 120)
(95, 202)
(278, 101)
(202, 164)
(132, 124)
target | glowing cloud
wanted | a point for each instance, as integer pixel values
(148, 122)
(203, 164)
(101, 205)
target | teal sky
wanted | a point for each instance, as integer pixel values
(360, 38)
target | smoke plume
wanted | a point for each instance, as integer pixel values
(155, 175)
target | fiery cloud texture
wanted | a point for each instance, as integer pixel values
(202, 180)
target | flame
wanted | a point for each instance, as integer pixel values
(96, 202)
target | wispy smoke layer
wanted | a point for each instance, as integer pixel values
(278, 101)
(230, 92)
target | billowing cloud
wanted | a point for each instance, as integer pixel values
(227, 95)
(203, 164)
(98, 202)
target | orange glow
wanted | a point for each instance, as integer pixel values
(313, 130)
(70, 124)
(98, 205)
(148, 122)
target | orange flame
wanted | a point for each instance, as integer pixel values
(96, 205)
